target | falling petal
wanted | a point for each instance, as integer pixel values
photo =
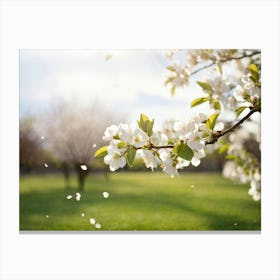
(98, 226)
(69, 196)
(46, 165)
(42, 137)
(78, 196)
(83, 214)
(108, 56)
(47, 216)
(106, 194)
(235, 224)
(192, 186)
(92, 221)
(83, 167)
(94, 145)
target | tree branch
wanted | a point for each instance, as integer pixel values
(222, 133)
(225, 60)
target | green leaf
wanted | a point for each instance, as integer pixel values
(199, 100)
(254, 78)
(230, 157)
(171, 68)
(169, 80)
(232, 51)
(255, 72)
(253, 68)
(217, 105)
(172, 90)
(210, 123)
(122, 145)
(205, 86)
(223, 148)
(130, 155)
(143, 118)
(240, 110)
(183, 151)
(143, 122)
(101, 153)
(219, 67)
(150, 127)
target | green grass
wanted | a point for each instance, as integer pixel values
(139, 201)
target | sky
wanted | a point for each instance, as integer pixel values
(130, 82)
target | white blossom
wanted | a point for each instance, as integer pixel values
(149, 158)
(179, 76)
(193, 57)
(198, 154)
(183, 130)
(159, 139)
(220, 85)
(182, 163)
(115, 158)
(238, 93)
(133, 135)
(168, 165)
(168, 129)
(195, 141)
(110, 132)
(249, 88)
(219, 126)
(169, 53)
(200, 117)
(255, 190)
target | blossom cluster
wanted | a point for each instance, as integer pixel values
(177, 145)
(218, 87)
(243, 165)
(249, 91)
(178, 76)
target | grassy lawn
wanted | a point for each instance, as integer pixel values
(139, 201)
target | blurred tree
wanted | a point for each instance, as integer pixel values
(74, 132)
(30, 146)
(33, 155)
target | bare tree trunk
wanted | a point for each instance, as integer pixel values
(106, 174)
(66, 173)
(81, 179)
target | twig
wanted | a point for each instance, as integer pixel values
(225, 60)
(222, 133)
